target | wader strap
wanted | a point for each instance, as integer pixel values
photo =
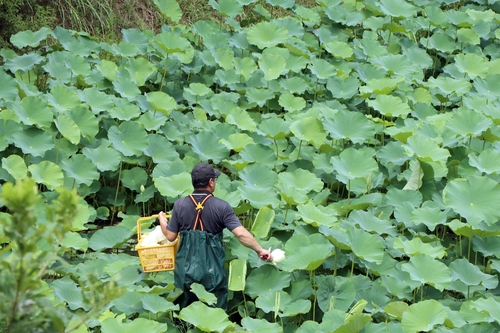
(199, 207)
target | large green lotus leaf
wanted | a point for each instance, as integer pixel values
(398, 64)
(202, 294)
(335, 293)
(306, 252)
(294, 186)
(341, 14)
(126, 88)
(468, 123)
(8, 88)
(23, 62)
(138, 37)
(488, 161)
(349, 125)
(392, 153)
(174, 186)
(169, 8)
(414, 182)
(310, 17)
(474, 198)
(237, 274)
(75, 241)
(259, 95)
(291, 103)
(430, 215)
(205, 318)
(260, 325)
(275, 128)
(259, 197)
(29, 38)
(441, 41)
(245, 67)
(81, 169)
(447, 85)
(371, 223)
(227, 7)
(281, 3)
(486, 245)
(129, 138)
(415, 246)
(322, 69)
(273, 65)
(139, 69)
(34, 111)
(309, 129)
(96, 99)
(398, 8)
(396, 309)
(258, 176)
(296, 84)
(241, 119)
(125, 111)
(104, 158)
(48, 174)
(263, 221)
(162, 102)
(15, 166)
(316, 215)
(366, 246)
(134, 178)
(390, 106)
(206, 145)
(172, 43)
(426, 149)
(275, 280)
(237, 141)
(109, 238)
(259, 153)
(68, 291)
(343, 88)
(78, 65)
(108, 69)
(353, 163)
(423, 316)
(472, 64)
(426, 270)
(266, 34)
(68, 128)
(339, 49)
(115, 325)
(488, 305)
(157, 304)
(161, 150)
(464, 271)
(87, 123)
(488, 86)
(63, 98)
(468, 230)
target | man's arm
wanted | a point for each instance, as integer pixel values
(249, 241)
(171, 236)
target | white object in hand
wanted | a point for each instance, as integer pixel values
(278, 256)
(154, 238)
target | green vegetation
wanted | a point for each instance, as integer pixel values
(359, 136)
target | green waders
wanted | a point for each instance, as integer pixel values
(200, 259)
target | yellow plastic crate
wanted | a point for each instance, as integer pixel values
(156, 258)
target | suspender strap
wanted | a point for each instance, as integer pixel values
(199, 207)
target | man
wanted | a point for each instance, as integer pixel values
(200, 218)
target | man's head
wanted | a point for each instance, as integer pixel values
(202, 174)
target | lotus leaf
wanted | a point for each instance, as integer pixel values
(423, 316)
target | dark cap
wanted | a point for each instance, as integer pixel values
(203, 171)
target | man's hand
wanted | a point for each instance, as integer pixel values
(163, 220)
(265, 255)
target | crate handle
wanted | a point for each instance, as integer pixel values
(139, 231)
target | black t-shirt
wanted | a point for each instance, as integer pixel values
(216, 215)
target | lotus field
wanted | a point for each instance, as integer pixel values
(360, 137)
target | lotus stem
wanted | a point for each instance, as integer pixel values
(116, 193)
(245, 303)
